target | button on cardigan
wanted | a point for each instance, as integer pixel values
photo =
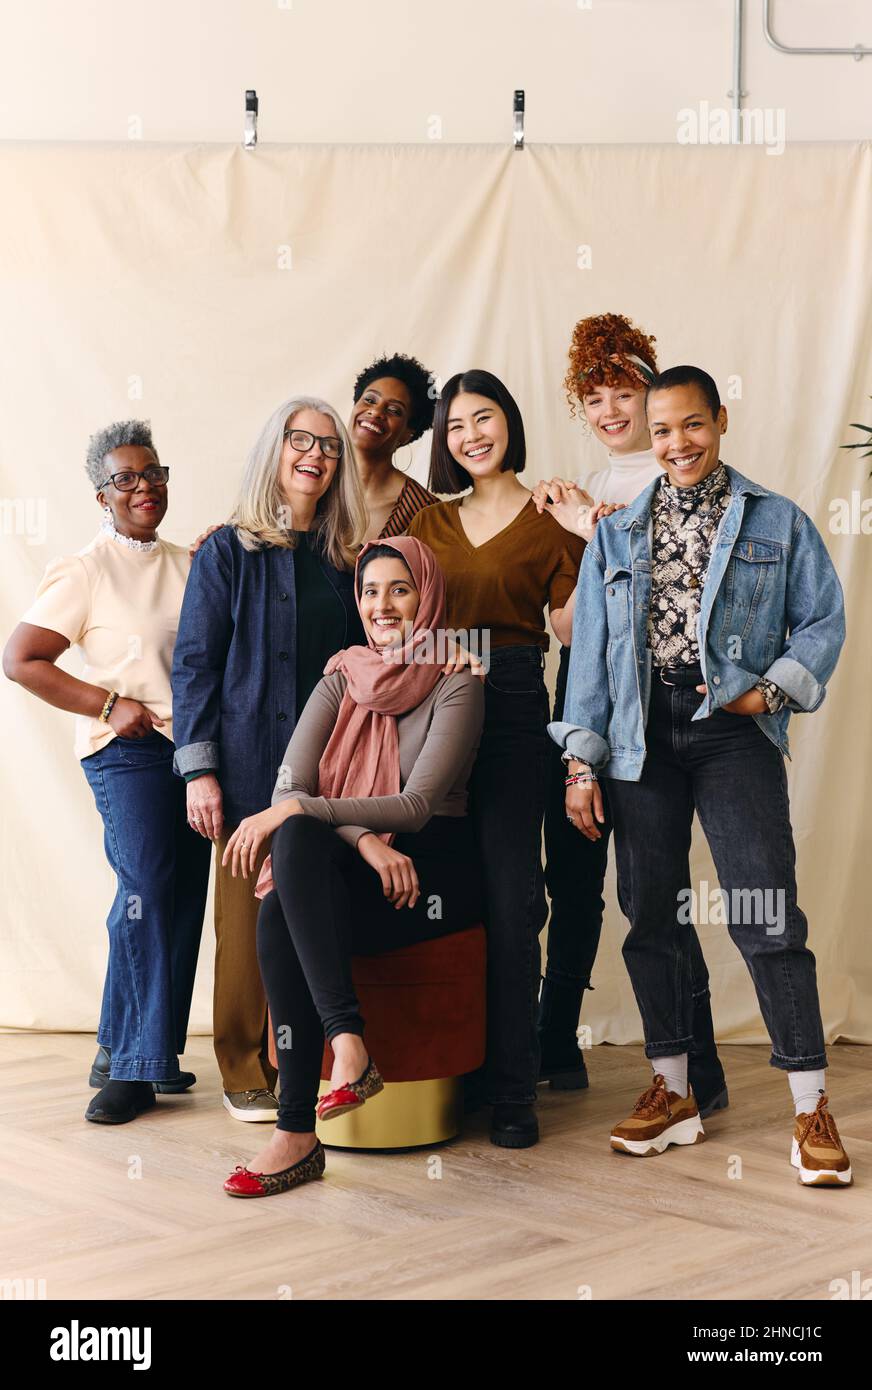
(234, 695)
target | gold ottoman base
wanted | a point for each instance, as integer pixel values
(405, 1115)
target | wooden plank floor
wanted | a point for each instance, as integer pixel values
(545, 1223)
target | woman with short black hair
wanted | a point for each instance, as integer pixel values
(505, 563)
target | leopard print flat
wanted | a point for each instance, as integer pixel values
(351, 1096)
(243, 1183)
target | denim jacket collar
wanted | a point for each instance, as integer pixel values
(640, 509)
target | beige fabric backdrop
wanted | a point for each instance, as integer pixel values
(197, 286)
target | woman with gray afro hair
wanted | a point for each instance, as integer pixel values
(118, 599)
(120, 434)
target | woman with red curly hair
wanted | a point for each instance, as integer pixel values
(611, 362)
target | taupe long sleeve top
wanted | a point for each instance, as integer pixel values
(438, 741)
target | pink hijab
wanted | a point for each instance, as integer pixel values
(362, 756)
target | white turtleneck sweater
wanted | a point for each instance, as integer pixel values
(626, 476)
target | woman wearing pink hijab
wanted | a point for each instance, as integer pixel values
(368, 823)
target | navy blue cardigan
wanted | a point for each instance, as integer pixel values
(234, 666)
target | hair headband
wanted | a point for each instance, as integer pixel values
(642, 368)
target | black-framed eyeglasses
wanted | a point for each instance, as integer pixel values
(302, 441)
(127, 481)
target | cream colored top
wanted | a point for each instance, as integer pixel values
(121, 606)
(626, 476)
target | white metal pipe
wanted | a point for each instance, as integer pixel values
(858, 51)
(738, 43)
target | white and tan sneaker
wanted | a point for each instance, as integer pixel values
(258, 1107)
(659, 1118)
(817, 1150)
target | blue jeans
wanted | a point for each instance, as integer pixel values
(162, 868)
(727, 770)
(506, 806)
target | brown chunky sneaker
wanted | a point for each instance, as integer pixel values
(817, 1150)
(659, 1118)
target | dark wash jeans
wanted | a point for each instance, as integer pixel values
(162, 870)
(507, 803)
(727, 770)
(575, 870)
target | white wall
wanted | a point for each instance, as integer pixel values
(380, 70)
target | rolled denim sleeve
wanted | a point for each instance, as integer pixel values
(199, 660)
(586, 709)
(815, 621)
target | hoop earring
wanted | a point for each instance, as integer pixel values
(409, 464)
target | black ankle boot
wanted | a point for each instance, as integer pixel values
(561, 1061)
(120, 1101)
(514, 1126)
(704, 1070)
(103, 1061)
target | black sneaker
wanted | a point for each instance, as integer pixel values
(561, 1060)
(100, 1075)
(514, 1126)
(710, 1091)
(704, 1071)
(120, 1101)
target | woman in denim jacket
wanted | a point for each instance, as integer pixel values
(707, 612)
(268, 601)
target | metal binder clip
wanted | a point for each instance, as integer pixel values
(518, 110)
(250, 138)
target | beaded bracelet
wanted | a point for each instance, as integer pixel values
(108, 706)
(580, 779)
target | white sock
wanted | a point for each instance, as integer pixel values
(806, 1088)
(674, 1072)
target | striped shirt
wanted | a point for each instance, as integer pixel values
(411, 500)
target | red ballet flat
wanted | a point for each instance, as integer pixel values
(243, 1183)
(351, 1096)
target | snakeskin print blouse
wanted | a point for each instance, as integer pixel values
(685, 522)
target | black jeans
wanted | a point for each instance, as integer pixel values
(507, 803)
(327, 905)
(726, 769)
(575, 870)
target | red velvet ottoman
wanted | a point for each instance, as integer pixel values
(424, 1012)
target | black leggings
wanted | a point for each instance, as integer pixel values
(327, 905)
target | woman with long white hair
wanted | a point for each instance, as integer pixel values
(269, 600)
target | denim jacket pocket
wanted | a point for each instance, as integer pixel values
(618, 581)
(754, 571)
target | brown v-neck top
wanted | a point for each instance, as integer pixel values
(506, 583)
